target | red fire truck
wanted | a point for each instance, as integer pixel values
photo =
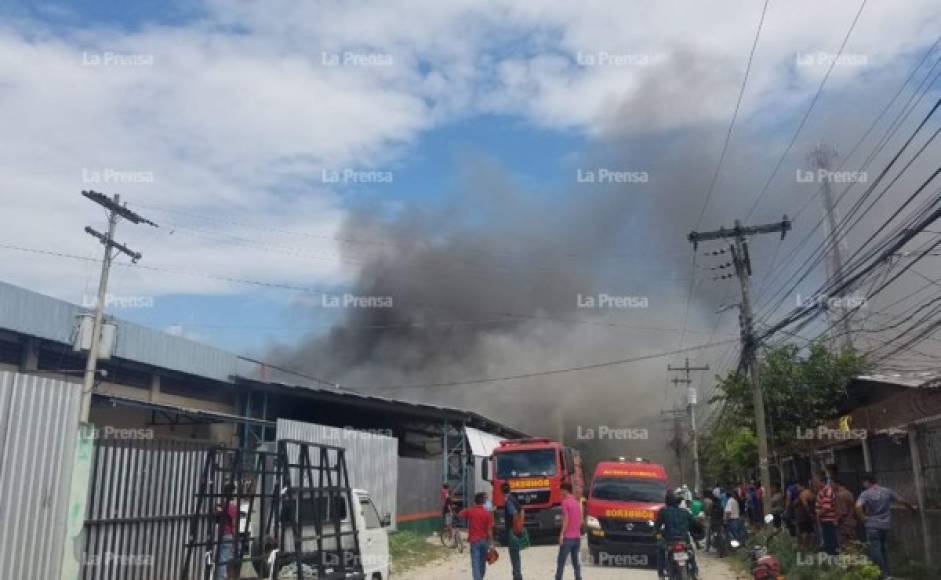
(622, 505)
(535, 469)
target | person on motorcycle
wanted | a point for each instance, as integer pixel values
(716, 536)
(675, 524)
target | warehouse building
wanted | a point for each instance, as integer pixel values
(180, 390)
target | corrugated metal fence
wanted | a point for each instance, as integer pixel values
(141, 500)
(38, 431)
(372, 458)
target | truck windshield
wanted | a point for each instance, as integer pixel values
(526, 463)
(622, 489)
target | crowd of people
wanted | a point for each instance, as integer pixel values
(823, 515)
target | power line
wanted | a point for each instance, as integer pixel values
(807, 113)
(907, 109)
(738, 104)
(517, 317)
(558, 371)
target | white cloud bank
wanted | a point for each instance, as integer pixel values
(238, 113)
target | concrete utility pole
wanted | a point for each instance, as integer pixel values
(743, 270)
(115, 211)
(691, 413)
(676, 442)
(822, 159)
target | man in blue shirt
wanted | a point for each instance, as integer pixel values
(510, 509)
(874, 508)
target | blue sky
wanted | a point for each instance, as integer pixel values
(230, 110)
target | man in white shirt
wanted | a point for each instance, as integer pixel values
(733, 516)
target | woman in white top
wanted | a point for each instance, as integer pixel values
(733, 516)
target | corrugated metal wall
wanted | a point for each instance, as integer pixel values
(38, 431)
(372, 459)
(141, 500)
(419, 486)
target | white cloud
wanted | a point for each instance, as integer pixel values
(238, 113)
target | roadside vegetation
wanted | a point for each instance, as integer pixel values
(408, 550)
(803, 388)
(852, 564)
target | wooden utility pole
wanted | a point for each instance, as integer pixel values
(691, 414)
(115, 211)
(743, 270)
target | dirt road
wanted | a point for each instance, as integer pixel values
(539, 564)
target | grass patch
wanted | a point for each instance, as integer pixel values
(408, 550)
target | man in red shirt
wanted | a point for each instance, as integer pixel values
(827, 514)
(570, 538)
(227, 513)
(479, 534)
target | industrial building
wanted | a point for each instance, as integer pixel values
(189, 396)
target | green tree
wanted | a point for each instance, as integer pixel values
(803, 388)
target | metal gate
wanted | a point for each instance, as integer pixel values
(140, 505)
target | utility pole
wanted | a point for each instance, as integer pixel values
(115, 211)
(691, 414)
(822, 159)
(743, 270)
(677, 442)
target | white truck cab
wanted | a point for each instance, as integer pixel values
(370, 531)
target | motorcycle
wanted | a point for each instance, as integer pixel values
(718, 539)
(765, 566)
(678, 561)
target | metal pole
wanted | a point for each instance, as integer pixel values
(919, 489)
(692, 427)
(91, 363)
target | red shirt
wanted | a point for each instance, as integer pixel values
(229, 518)
(479, 523)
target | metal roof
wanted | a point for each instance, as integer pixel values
(33, 314)
(392, 406)
(42, 316)
(911, 379)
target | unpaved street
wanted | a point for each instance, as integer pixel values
(539, 564)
